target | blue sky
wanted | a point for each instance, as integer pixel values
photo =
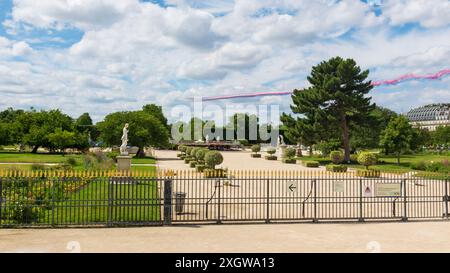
(100, 56)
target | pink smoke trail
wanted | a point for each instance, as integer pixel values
(400, 79)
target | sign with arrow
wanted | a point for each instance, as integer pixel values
(291, 187)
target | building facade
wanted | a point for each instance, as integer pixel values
(430, 116)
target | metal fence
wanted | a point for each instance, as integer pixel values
(166, 197)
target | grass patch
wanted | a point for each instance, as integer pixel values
(144, 160)
(12, 157)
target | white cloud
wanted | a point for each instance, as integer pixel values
(21, 48)
(133, 53)
(430, 14)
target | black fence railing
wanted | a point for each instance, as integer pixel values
(112, 199)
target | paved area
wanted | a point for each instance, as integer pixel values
(233, 160)
(369, 237)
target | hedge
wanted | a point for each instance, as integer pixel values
(310, 164)
(289, 160)
(271, 157)
(336, 168)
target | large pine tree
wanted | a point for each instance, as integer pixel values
(336, 99)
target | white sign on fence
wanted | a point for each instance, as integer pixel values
(388, 190)
(339, 186)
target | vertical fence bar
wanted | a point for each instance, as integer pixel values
(219, 220)
(445, 198)
(168, 183)
(268, 201)
(361, 215)
(315, 200)
(110, 198)
(405, 203)
(53, 203)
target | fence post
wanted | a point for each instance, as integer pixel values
(168, 202)
(53, 203)
(110, 198)
(315, 201)
(405, 203)
(361, 217)
(219, 220)
(267, 202)
(445, 198)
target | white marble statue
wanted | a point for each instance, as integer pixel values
(207, 138)
(123, 147)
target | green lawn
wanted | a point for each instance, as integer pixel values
(80, 201)
(14, 157)
(129, 203)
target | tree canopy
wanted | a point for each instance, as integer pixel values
(336, 100)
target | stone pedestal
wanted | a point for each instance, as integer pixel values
(124, 163)
(281, 150)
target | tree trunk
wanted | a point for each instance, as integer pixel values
(140, 152)
(311, 150)
(398, 158)
(345, 138)
(35, 148)
(299, 150)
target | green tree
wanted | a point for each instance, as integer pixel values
(336, 100)
(157, 112)
(61, 139)
(441, 137)
(37, 126)
(144, 130)
(397, 136)
(367, 135)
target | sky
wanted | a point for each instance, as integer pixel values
(102, 56)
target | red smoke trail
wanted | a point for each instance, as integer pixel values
(400, 79)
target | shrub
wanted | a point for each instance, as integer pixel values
(289, 153)
(289, 160)
(71, 161)
(188, 151)
(256, 148)
(271, 151)
(182, 148)
(367, 159)
(420, 166)
(37, 167)
(256, 155)
(336, 168)
(179, 155)
(188, 159)
(200, 167)
(192, 164)
(213, 158)
(310, 164)
(97, 161)
(200, 154)
(336, 157)
(194, 152)
(23, 212)
(244, 142)
(354, 158)
(368, 173)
